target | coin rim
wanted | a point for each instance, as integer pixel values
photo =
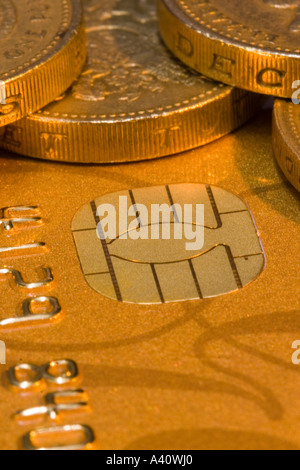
(211, 34)
(56, 44)
(284, 143)
(51, 75)
(105, 141)
(209, 44)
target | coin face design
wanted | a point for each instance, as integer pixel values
(37, 39)
(221, 38)
(286, 139)
(131, 75)
(131, 87)
(263, 24)
(153, 268)
(131, 70)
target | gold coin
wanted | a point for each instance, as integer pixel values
(133, 100)
(42, 53)
(286, 139)
(253, 45)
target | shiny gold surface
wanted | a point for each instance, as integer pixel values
(42, 53)
(253, 45)
(286, 139)
(213, 373)
(133, 101)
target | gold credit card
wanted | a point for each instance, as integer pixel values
(135, 344)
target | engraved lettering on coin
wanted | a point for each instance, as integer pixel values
(223, 65)
(228, 35)
(37, 38)
(7, 18)
(261, 23)
(131, 86)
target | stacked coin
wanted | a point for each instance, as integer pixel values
(42, 53)
(252, 45)
(133, 100)
(286, 140)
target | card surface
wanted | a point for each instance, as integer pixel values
(151, 368)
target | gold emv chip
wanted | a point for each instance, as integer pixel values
(137, 246)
